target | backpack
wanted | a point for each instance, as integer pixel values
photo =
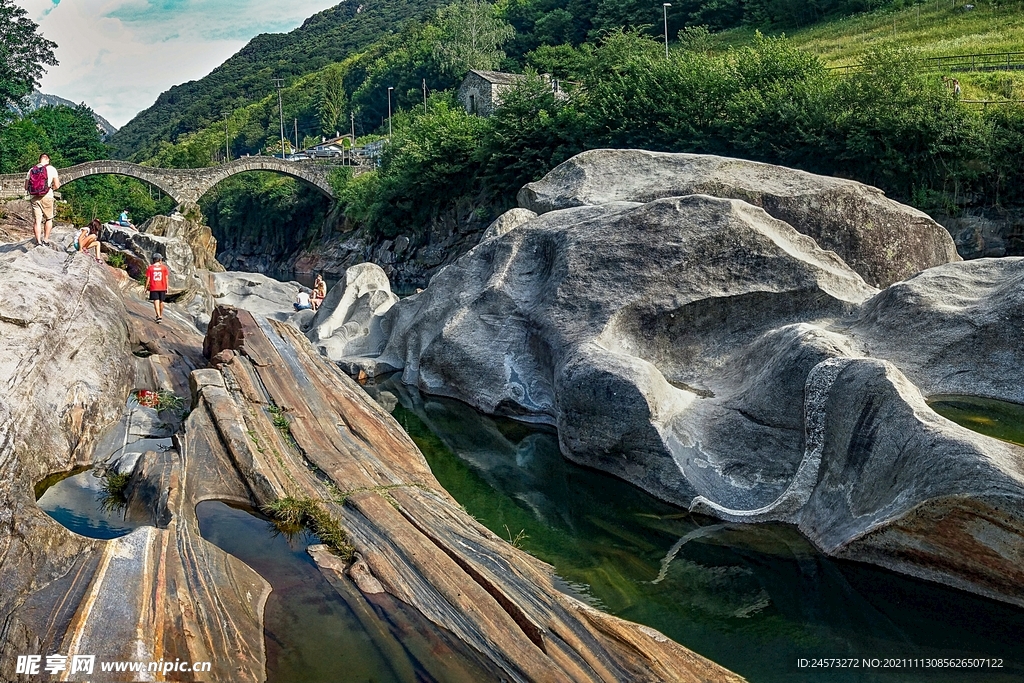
(38, 181)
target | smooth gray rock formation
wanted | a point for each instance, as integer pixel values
(256, 293)
(146, 423)
(902, 487)
(507, 222)
(348, 322)
(954, 329)
(187, 224)
(140, 247)
(881, 239)
(720, 359)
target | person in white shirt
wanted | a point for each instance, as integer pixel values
(302, 302)
(40, 182)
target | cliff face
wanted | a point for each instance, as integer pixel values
(333, 246)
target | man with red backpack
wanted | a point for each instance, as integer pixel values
(40, 182)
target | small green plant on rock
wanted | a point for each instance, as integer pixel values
(113, 495)
(517, 540)
(116, 259)
(280, 420)
(161, 399)
(293, 514)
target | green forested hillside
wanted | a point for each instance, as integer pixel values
(330, 36)
(350, 28)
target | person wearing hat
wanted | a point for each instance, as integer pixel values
(157, 276)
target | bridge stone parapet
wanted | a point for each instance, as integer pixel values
(183, 184)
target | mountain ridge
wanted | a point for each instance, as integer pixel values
(328, 36)
(37, 100)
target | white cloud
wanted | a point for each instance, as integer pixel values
(118, 55)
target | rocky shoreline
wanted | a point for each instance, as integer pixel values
(677, 321)
(267, 421)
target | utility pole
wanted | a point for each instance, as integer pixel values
(351, 147)
(227, 144)
(389, 113)
(664, 8)
(296, 135)
(424, 96)
(279, 83)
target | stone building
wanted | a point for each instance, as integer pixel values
(481, 91)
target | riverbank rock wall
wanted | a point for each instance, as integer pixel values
(716, 355)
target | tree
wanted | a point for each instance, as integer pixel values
(333, 102)
(24, 54)
(471, 35)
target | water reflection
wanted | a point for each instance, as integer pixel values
(78, 501)
(312, 635)
(753, 598)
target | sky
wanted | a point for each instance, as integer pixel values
(117, 56)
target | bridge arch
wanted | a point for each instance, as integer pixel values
(187, 184)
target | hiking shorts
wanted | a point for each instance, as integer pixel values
(157, 296)
(42, 207)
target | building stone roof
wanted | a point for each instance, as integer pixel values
(498, 77)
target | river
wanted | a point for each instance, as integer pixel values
(758, 599)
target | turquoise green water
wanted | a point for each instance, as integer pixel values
(998, 419)
(754, 598)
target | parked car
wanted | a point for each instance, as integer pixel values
(327, 152)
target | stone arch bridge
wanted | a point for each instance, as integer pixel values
(184, 184)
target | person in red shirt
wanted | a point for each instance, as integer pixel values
(157, 276)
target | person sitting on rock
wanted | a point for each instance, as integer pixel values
(89, 238)
(157, 277)
(123, 221)
(302, 302)
(319, 292)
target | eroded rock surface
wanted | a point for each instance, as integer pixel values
(457, 600)
(187, 224)
(412, 540)
(68, 326)
(348, 322)
(260, 294)
(881, 239)
(139, 248)
(721, 359)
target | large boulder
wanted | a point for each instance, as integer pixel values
(255, 292)
(187, 224)
(722, 360)
(576, 284)
(348, 322)
(139, 248)
(507, 222)
(881, 239)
